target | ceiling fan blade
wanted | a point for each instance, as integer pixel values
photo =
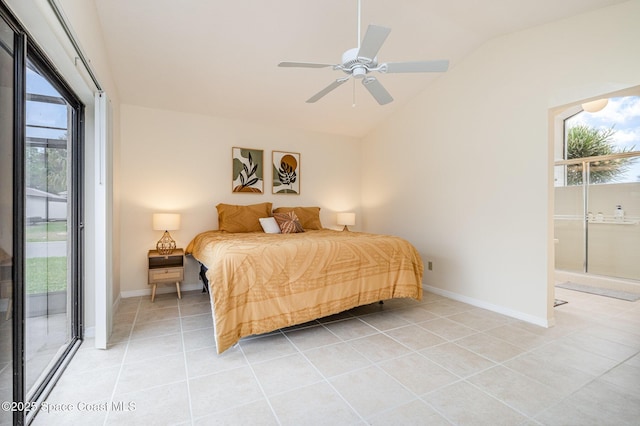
(303, 65)
(377, 90)
(327, 89)
(372, 42)
(417, 66)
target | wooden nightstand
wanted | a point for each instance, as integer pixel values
(166, 268)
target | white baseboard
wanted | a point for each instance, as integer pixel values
(543, 322)
(160, 290)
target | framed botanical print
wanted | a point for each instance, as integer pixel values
(286, 172)
(248, 170)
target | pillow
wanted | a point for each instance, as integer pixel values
(269, 225)
(309, 217)
(233, 218)
(288, 222)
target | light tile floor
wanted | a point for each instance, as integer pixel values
(434, 362)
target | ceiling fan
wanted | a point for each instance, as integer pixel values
(362, 60)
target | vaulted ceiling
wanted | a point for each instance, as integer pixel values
(219, 57)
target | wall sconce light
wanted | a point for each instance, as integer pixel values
(166, 222)
(595, 106)
(346, 219)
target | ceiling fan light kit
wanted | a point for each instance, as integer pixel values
(359, 61)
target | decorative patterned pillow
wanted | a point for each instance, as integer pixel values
(309, 217)
(232, 218)
(288, 222)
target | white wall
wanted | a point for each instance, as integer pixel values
(181, 162)
(471, 181)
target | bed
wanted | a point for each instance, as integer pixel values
(260, 282)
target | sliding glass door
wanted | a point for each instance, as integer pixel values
(7, 85)
(41, 230)
(49, 238)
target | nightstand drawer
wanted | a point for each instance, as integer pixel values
(160, 275)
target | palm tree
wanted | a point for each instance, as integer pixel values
(584, 141)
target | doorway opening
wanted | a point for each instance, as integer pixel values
(597, 193)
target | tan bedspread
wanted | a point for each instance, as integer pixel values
(262, 282)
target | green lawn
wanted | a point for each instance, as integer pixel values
(46, 274)
(48, 231)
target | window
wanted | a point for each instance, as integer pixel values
(610, 137)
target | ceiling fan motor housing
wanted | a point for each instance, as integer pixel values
(357, 66)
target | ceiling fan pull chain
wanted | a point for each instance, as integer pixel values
(353, 105)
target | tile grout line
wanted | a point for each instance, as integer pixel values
(255, 377)
(186, 364)
(460, 378)
(378, 366)
(124, 357)
(372, 363)
(496, 398)
(324, 378)
(581, 387)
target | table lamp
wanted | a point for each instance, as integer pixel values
(346, 219)
(166, 222)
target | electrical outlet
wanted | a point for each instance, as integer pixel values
(430, 265)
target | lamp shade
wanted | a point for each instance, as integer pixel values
(166, 221)
(348, 219)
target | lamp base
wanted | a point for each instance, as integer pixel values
(345, 228)
(166, 244)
